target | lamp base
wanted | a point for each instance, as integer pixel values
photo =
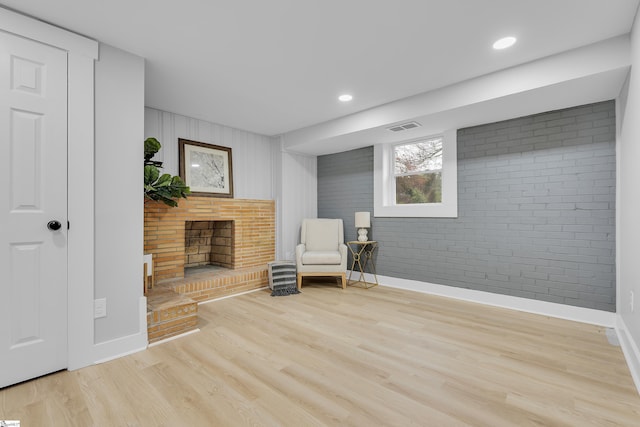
(362, 235)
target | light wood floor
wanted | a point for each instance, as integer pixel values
(354, 357)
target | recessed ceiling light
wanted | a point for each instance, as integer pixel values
(345, 98)
(504, 43)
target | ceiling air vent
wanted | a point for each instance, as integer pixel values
(404, 126)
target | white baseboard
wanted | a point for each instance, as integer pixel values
(174, 337)
(630, 350)
(124, 346)
(119, 355)
(562, 311)
(233, 295)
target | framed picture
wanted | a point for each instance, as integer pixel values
(206, 168)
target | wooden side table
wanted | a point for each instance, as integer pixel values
(362, 253)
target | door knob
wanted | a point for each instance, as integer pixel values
(54, 225)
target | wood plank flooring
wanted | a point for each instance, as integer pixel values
(357, 357)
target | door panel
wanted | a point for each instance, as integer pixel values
(25, 323)
(25, 165)
(33, 168)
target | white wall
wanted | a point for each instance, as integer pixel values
(253, 154)
(119, 131)
(628, 208)
(297, 199)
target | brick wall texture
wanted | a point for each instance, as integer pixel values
(208, 243)
(536, 210)
(253, 229)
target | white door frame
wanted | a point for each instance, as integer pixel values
(82, 52)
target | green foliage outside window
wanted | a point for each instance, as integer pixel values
(424, 188)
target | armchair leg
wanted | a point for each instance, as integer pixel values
(299, 281)
(344, 280)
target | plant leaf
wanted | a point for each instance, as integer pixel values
(163, 181)
(151, 174)
(164, 188)
(151, 147)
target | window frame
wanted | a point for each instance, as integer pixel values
(384, 181)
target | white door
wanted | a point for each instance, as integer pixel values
(33, 194)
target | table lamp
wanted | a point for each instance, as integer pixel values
(363, 221)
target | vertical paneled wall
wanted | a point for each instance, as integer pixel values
(536, 199)
(253, 155)
(298, 199)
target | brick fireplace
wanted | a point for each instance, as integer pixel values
(233, 233)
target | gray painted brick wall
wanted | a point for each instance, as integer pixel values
(346, 188)
(536, 210)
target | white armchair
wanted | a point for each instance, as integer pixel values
(322, 251)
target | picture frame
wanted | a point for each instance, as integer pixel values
(206, 168)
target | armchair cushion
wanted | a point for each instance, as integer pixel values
(321, 258)
(322, 234)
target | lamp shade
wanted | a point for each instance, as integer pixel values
(363, 219)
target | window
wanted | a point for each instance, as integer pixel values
(417, 170)
(417, 178)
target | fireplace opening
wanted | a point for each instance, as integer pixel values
(208, 246)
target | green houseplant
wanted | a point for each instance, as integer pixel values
(161, 187)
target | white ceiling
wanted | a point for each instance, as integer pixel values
(275, 66)
(584, 75)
